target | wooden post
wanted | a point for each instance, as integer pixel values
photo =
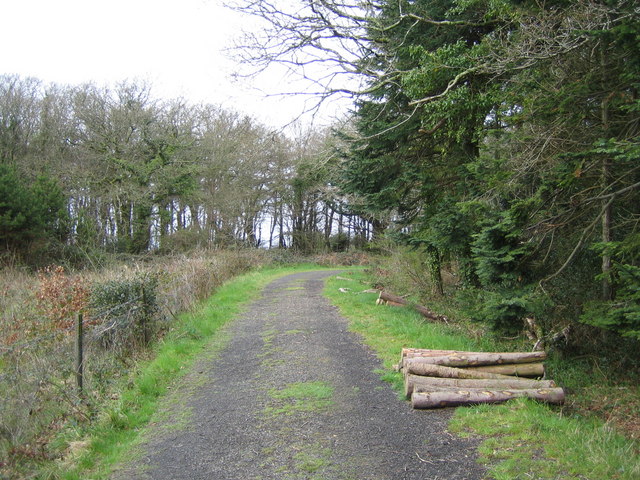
(79, 353)
(145, 316)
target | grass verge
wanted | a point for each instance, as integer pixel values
(388, 329)
(520, 439)
(107, 441)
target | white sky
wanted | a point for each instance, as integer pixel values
(176, 45)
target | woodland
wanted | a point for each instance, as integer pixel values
(495, 142)
(498, 138)
(112, 168)
(501, 137)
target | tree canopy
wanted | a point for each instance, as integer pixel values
(87, 168)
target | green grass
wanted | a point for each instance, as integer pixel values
(529, 440)
(111, 438)
(311, 462)
(521, 439)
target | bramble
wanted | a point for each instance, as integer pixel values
(60, 296)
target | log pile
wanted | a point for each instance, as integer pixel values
(449, 378)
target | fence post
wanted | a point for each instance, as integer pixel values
(79, 353)
(145, 316)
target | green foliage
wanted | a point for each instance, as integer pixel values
(28, 210)
(500, 159)
(339, 242)
(621, 315)
(86, 230)
(506, 310)
(499, 252)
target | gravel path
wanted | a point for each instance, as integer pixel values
(293, 395)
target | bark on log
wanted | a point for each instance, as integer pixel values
(427, 352)
(424, 311)
(453, 398)
(519, 370)
(430, 370)
(465, 359)
(418, 383)
(422, 352)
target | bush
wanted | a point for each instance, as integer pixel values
(60, 296)
(126, 310)
(506, 311)
(339, 242)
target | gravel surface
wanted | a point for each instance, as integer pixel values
(293, 395)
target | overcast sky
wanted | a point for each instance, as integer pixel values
(176, 45)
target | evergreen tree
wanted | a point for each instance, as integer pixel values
(28, 211)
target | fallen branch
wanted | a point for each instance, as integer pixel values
(390, 299)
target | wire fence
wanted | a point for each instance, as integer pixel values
(94, 329)
(41, 369)
(45, 338)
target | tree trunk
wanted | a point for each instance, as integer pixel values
(453, 398)
(420, 383)
(434, 262)
(607, 291)
(428, 369)
(470, 359)
(519, 370)
(141, 226)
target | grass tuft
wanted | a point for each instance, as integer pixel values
(300, 397)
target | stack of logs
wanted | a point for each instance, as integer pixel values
(447, 378)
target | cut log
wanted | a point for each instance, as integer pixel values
(519, 370)
(419, 383)
(424, 311)
(430, 370)
(422, 352)
(464, 359)
(454, 398)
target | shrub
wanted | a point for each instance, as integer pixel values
(621, 315)
(61, 296)
(126, 310)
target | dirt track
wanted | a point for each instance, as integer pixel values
(293, 395)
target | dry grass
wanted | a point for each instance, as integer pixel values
(37, 375)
